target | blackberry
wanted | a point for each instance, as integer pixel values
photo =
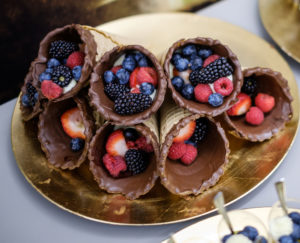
(61, 49)
(131, 103)
(215, 70)
(135, 161)
(200, 130)
(31, 91)
(249, 86)
(113, 90)
(62, 75)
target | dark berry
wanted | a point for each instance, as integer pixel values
(195, 62)
(138, 55)
(215, 70)
(191, 143)
(62, 75)
(178, 83)
(131, 103)
(296, 232)
(262, 239)
(53, 62)
(143, 62)
(30, 97)
(175, 57)
(181, 64)
(62, 49)
(36, 96)
(129, 63)
(204, 53)
(215, 99)
(225, 238)
(77, 144)
(76, 71)
(26, 101)
(130, 134)
(189, 50)
(123, 76)
(113, 90)
(109, 76)
(249, 87)
(188, 91)
(200, 130)
(146, 88)
(250, 232)
(286, 239)
(295, 216)
(44, 76)
(49, 70)
(135, 161)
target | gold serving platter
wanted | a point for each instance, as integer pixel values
(250, 163)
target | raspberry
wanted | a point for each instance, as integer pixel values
(223, 86)
(75, 59)
(190, 154)
(202, 92)
(142, 144)
(264, 102)
(115, 69)
(177, 150)
(130, 145)
(51, 90)
(254, 116)
(114, 164)
(210, 59)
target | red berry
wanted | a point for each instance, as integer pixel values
(131, 145)
(202, 92)
(115, 69)
(135, 91)
(186, 132)
(255, 116)
(264, 102)
(210, 59)
(114, 164)
(116, 144)
(133, 82)
(223, 86)
(75, 59)
(190, 154)
(177, 150)
(51, 90)
(72, 123)
(142, 144)
(147, 75)
(241, 106)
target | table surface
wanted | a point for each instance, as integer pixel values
(25, 216)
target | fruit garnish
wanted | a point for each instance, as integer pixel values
(202, 92)
(144, 145)
(210, 59)
(77, 144)
(177, 150)
(75, 59)
(264, 102)
(190, 154)
(72, 123)
(254, 116)
(223, 86)
(241, 106)
(215, 99)
(115, 69)
(116, 144)
(50, 89)
(135, 161)
(185, 133)
(147, 75)
(114, 164)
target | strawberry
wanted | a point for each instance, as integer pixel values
(75, 59)
(264, 102)
(202, 92)
(116, 144)
(115, 69)
(114, 164)
(241, 106)
(177, 150)
(72, 123)
(142, 144)
(51, 90)
(255, 116)
(210, 59)
(186, 132)
(184, 74)
(189, 155)
(147, 75)
(223, 86)
(133, 83)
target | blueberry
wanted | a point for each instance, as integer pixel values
(36, 96)
(44, 76)
(130, 134)
(53, 62)
(25, 100)
(188, 91)
(123, 76)
(77, 144)
(189, 50)
(225, 238)
(296, 232)
(251, 232)
(76, 71)
(146, 88)
(129, 63)
(191, 143)
(263, 239)
(195, 62)
(143, 62)
(181, 64)
(175, 57)
(215, 99)
(286, 239)
(49, 70)
(137, 56)
(204, 53)
(178, 83)
(295, 217)
(108, 76)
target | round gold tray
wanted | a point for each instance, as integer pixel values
(250, 163)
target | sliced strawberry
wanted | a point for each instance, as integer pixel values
(72, 123)
(210, 59)
(116, 144)
(184, 74)
(241, 106)
(133, 82)
(185, 133)
(147, 75)
(115, 69)
(114, 164)
(51, 90)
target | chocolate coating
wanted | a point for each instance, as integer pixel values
(272, 83)
(221, 50)
(75, 33)
(104, 105)
(55, 142)
(132, 186)
(205, 171)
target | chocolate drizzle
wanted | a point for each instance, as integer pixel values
(221, 50)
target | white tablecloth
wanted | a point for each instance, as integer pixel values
(25, 216)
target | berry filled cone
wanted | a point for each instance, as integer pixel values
(263, 107)
(204, 76)
(127, 85)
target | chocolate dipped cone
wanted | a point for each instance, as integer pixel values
(200, 105)
(210, 162)
(130, 185)
(271, 83)
(55, 141)
(107, 106)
